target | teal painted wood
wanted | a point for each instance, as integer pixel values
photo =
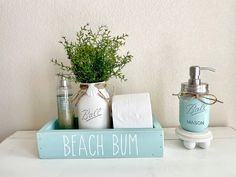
(99, 143)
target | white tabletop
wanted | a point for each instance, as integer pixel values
(19, 158)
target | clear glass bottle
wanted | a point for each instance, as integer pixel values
(64, 105)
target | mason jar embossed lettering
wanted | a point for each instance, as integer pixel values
(193, 114)
(194, 102)
(93, 106)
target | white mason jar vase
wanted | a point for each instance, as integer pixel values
(93, 106)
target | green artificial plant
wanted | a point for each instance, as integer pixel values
(94, 56)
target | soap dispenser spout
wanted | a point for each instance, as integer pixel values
(194, 72)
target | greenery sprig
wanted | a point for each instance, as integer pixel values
(94, 56)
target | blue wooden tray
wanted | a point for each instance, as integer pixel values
(54, 143)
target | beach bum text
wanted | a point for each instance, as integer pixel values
(94, 145)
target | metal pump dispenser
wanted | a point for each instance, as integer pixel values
(63, 82)
(194, 107)
(194, 84)
(194, 110)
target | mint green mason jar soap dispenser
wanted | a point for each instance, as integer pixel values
(195, 101)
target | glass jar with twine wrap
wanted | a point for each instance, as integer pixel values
(195, 101)
(93, 104)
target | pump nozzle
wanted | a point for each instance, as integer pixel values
(208, 69)
(194, 84)
(194, 72)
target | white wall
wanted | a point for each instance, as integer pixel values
(166, 37)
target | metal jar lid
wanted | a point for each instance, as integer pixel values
(194, 84)
(202, 88)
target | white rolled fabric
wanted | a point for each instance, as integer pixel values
(132, 111)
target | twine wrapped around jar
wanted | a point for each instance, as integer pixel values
(200, 96)
(83, 89)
